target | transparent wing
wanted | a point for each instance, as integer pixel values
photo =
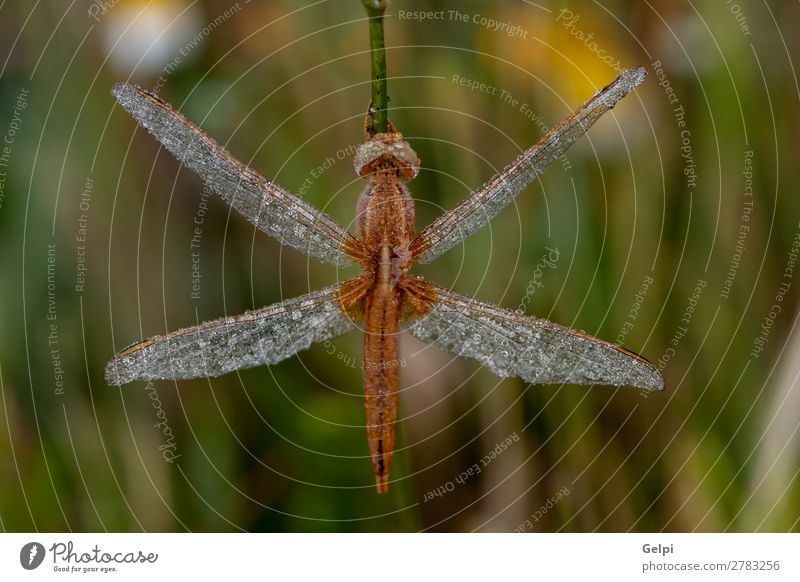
(533, 349)
(269, 207)
(262, 337)
(484, 204)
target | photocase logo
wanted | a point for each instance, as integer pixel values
(31, 555)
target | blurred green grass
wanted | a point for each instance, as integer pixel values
(283, 448)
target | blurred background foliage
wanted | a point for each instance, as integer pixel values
(284, 86)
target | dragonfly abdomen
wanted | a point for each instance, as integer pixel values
(381, 322)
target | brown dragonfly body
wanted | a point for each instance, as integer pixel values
(386, 228)
(385, 294)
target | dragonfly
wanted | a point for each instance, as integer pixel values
(385, 298)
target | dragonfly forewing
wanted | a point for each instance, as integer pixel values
(262, 337)
(533, 349)
(481, 206)
(269, 207)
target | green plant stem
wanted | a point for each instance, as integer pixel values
(378, 116)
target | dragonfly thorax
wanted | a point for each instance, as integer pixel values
(386, 151)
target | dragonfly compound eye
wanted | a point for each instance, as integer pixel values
(386, 150)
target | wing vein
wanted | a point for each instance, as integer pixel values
(268, 206)
(533, 349)
(482, 205)
(262, 337)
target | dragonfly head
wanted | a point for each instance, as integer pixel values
(386, 151)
